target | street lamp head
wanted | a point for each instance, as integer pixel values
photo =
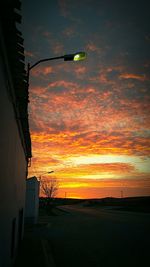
(75, 57)
(80, 56)
(50, 172)
(70, 57)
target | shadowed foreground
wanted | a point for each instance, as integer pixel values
(83, 236)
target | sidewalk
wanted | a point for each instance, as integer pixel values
(35, 249)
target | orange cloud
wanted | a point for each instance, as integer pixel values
(42, 70)
(63, 84)
(110, 183)
(80, 70)
(73, 144)
(111, 188)
(93, 122)
(133, 76)
(72, 119)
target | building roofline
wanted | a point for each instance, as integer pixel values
(14, 59)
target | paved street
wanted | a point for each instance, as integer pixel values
(99, 238)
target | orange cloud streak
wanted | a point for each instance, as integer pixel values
(133, 76)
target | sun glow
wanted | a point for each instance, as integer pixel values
(97, 159)
(139, 163)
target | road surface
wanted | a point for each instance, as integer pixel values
(90, 237)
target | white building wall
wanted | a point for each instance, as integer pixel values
(32, 200)
(13, 169)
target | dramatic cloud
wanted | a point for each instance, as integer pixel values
(42, 70)
(133, 76)
(89, 120)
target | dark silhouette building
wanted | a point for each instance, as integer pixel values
(15, 142)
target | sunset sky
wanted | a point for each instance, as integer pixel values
(90, 120)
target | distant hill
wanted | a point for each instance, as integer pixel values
(137, 204)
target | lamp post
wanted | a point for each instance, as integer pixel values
(44, 173)
(69, 57)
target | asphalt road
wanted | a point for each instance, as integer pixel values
(88, 237)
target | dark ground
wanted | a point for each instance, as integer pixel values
(99, 237)
(137, 204)
(73, 233)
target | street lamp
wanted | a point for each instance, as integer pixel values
(69, 57)
(44, 173)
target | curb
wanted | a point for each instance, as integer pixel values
(49, 261)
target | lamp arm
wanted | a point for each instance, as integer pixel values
(43, 60)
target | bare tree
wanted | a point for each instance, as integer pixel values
(50, 188)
